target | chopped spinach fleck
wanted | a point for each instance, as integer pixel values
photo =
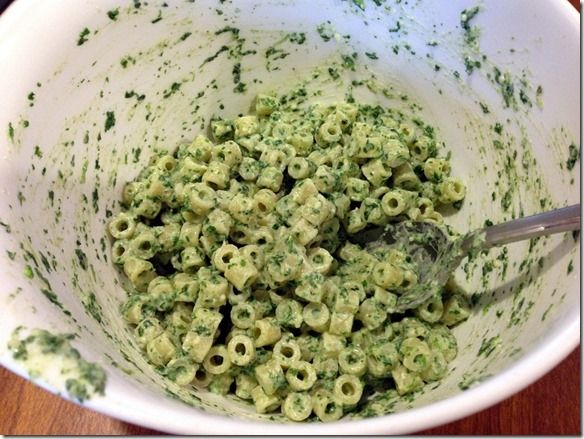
(83, 36)
(110, 120)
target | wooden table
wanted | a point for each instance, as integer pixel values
(551, 406)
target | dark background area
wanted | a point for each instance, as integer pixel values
(4, 4)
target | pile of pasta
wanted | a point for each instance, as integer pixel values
(240, 282)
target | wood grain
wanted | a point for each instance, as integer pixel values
(551, 406)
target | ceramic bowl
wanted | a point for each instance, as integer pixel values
(90, 88)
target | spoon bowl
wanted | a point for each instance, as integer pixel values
(435, 251)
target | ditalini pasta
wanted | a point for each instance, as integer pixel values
(239, 280)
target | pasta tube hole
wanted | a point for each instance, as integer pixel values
(348, 389)
(302, 375)
(240, 349)
(287, 352)
(119, 251)
(330, 408)
(216, 360)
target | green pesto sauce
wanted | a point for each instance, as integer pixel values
(53, 358)
(113, 14)
(83, 36)
(110, 120)
(573, 156)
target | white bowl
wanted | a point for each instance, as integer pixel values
(58, 182)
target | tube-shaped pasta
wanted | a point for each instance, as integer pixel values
(243, 315)
(405, 177)
(396, 202)
(254, 253)
(355, 221)
(376, 172)
(120, 251)
(145, 206)
(202, 198)
(317, 316)
(300, 168)
(241, 208)
(181, 370)
(405, 380)
(200, 336)
(270, 376)
(297, 406)
(249, 169)
(286, 351)
(456, 309)
(147, 329)
(437, 368)
(270, 178)
(191, 259)
(430, 311)
(289, 313)
(275, 158)
(372, 211)
(436, 170)
(325, 179)
(217, 175)
(264, 202)
(241, 350)
(416, 354)
(347, 389)
(160, 349)
(341, 323)
(220, 384)
(244, 384)
(130, 191)
(382, 358)
(300, 375)
(329, 132)
(264, 403)
(139, 271)
(387, 275)
(223, 256)
(266, 332)
(321, 260)
(122, 226)
(202, 378)
(326, 407)
(353, 360)
(241, 272)
(217, 361)
(451, 190)
(250, 228)
(357, 189)
(372, 313)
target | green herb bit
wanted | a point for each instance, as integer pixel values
(83, 36)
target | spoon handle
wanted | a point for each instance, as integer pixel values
(556, 221)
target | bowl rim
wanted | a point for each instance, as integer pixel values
(543, 357)
(548, 353)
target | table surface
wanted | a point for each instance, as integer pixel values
(550, 406)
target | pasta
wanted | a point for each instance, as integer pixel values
(239, 279)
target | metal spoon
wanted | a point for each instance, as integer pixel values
(435, 256)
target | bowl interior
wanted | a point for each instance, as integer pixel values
(103, 91)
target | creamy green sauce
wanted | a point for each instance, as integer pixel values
(52, 358)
